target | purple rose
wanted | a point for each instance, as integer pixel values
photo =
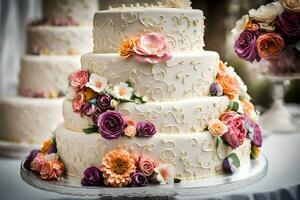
(30, 158)
(111, 125)
(216, 89)
(103, 102)
(139, 179)
(288, 25)
(88, 109)
(52, 149)
(146, 129)
(92, 177)
(228, 166)
(255, 134)
(245, 46)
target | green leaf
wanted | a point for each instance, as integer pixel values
(235, 160)
(233, 106)
(177, 180)
(225, 142)
(219, 140)
(91, 130)
(54, 141)
(297, 45)
(138, 101)
(129, 83)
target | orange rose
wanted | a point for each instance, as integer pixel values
(229, 84)
(247, 107)
(269, 45)
(217, 128)
(126, 49)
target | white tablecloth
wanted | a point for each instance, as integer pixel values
(282, 151)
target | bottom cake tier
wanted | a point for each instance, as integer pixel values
(193, 156)
(28, 120)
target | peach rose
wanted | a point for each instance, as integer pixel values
(147, 166)
(126, 49)
(78, 102)
(248, 107)
(52, 170)
(152, 48)
(130, 131)
(79, 79)
(269, 45)
(230, 86)
(217, 128)
(36, 164)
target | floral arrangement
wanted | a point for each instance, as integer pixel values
(271, 34)
(41, 94)
(93, 97)
(147, 48)
(120, 168)
(45, 161)
(54, 22)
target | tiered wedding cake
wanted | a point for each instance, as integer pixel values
(148, 97)
(54, 45)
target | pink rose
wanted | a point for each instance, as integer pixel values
(146, 166)
(130, 131)
(236, 133)
(79, 79)
(256, 135)
(78, 102)
(36, 164)
(152, 48)
(51, 170)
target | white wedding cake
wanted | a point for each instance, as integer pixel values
(54, 46)
(149, 103)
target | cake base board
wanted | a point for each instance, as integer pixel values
(246, 175)
(15, 150)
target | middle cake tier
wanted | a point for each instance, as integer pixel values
(169, 117)
(185, 76)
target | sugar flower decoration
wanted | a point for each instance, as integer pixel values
(240, 26)
(78, 102)
(288, 25)
(231, 163)
(269, 45)
(117, 167)
(146, 165)
(111, 125)
(291, 5)
(164, 174)
(92, 177)
(52, 170)
(79, 79)
(178, 4)
(36, 164)
(96, 83)
(146, 129)
(139, 179)
(217, 128)
(126, 49)
(122, 91)
(46, 145)
(30, 158)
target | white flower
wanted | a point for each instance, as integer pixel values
(71, 93)
(291, 5)
(114, 103)
(122, 91)
(240, 26)
(96, 83)
(51, 157)
(165, 173)
(266, 13)
(178, 4)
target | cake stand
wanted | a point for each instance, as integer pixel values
(15, 150)
(246, 175)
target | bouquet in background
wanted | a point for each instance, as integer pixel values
(271, 35)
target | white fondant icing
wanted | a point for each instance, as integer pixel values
(183, 28)
(179, 117)
(192, 155)
(47, 74)
(185, 76)
(27, 120)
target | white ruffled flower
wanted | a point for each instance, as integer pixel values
(97, 83)
(114, 103)
(122, 91)
(52, 157)
(240, 26)
(178, 4)
(165, 174)
(291, 5)
(266, 13)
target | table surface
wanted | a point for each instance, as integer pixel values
(282, 151)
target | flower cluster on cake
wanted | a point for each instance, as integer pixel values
(271, 34)
(150, 108)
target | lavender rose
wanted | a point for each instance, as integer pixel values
(146, 129)
(88, 109)
(288, 25)
(111, 125)
(255, 134)
(30, 158)
(92, 177)
(52, 149)
(216, 89)
(245, 46)
(139, 179)
(228, 166)
(104, 102)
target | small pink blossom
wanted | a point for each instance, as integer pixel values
(36, 164)
(130, 131)
(78, 102)
(146, 165)
(152, 48)
(79, 79)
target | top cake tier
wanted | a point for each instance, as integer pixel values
(81, 11)
(183, 28)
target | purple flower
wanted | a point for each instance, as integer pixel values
(288, 25)
(111, 125)
(92, 177)
(245, 46)
(255, 134)
(88, 109)
(103, 102)
(216, 89)
(30, 158)
(52, 149)
(146, 129)
(139, 179)
(228, 166)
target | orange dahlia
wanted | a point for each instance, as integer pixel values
(126, 48)
(117, 166)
